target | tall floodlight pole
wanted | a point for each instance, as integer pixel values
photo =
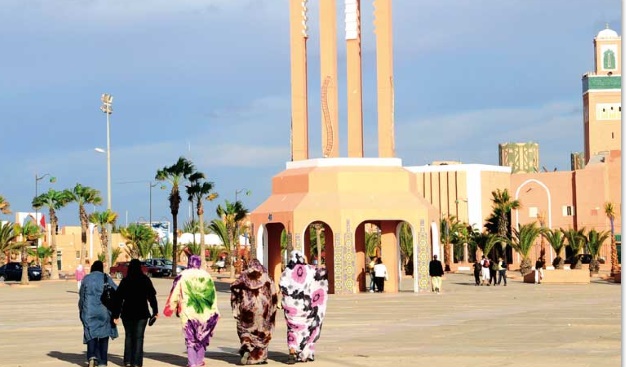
(107, 108)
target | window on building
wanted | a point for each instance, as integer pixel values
(59, 258)
(78, 254)
(568, 210)
(533, 211)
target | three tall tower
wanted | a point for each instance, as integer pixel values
(329, 79)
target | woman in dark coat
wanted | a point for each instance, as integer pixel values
(133, 295)
(98, 325)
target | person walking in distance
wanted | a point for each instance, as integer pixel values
(485, 263)
(538, 271)
(370, 268)
(435, 270)
(380, 275)
(501, 271)
(477, 271)
(80, 274)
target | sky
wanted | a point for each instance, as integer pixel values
(209, 80)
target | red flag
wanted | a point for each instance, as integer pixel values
(42, 222)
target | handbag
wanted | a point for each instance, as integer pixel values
(108, 295)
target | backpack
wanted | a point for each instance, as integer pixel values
(108, 295)
(486, 263)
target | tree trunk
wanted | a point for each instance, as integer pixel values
(233, 253)
(202, 244)
(614, 262)
(525, 266)
(318, 243)
(54, 271)
(174, 243)
(448, 256)
(24, 280)
(83, 233)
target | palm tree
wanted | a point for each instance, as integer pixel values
(372, 243)
(448, 226)
(27, 235)
(523, 241)
(7, 237)
(140, 240)
(83, 195)
(556, 239)
(5, 206)
(609, 210)
(197, 191)
(53, 200)
(576, 241)
(502, 206)
(485, 241)
(595, 240)
(43, 253)
(174, 174)
(232, 214)
(406, 243)
(102, 220)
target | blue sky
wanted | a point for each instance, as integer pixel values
(209, 79)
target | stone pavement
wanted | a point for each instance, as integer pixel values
(518, 325)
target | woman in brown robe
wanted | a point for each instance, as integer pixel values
(254, 301)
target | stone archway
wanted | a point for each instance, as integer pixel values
(327, 238)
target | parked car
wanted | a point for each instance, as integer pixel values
(13, 271)
(120, 269)
(168, 264)
(157, 268)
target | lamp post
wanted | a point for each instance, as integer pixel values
(107, 108)
(37, 179)
(237, 192)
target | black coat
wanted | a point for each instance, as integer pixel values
(435, 269)
(133, 296)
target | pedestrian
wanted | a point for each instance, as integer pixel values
(435, 270)
(133, 295)
(501, 271)
(370, 268)
(98, 324)
(253, 300)
(79, 274)
(304, 290)
(380, 275)
(485, 270)
(477, 270)
(538, 271)
(192, 298)
(493, 272)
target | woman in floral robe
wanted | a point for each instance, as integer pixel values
(254, 299)
(305, 291)
(192, 298)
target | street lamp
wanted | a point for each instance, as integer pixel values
(107, 108)
(37, 179)
(151, 184)
(247, 193)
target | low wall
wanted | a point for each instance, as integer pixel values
(576, 276)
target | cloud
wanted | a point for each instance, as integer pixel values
(474, 136)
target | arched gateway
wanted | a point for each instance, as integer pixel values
(343, 193)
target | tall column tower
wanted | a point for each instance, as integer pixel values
(354, 78)
(328, 74)
(299, 94)
(602, 107)
(384, 77)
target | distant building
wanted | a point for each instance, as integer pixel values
(521, 157)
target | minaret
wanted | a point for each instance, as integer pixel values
(328, 74)
(299, 94)
(384, 77)
(602, 108)
(354, 77)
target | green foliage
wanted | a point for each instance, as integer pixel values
(314, 230)
(215, 251)
(5, 206)
(595, 240)
(576, 240)
(406, 243)
(372, 243)
(7, 236)
(523, 241)
(218, 227)
(557, 241)
(194, 248)
(140, 239)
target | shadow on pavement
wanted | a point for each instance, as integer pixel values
(80, 359)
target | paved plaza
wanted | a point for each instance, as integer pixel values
(518, 325)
